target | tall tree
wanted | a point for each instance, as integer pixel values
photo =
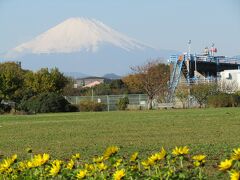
(133, 83)
(11, 80)
(45, 81)
(118, 87)
(153, 78)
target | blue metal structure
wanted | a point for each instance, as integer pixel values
(177, 62)
(187, 65)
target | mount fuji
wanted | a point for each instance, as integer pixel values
(84, 45)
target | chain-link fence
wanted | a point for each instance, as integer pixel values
(136, 101)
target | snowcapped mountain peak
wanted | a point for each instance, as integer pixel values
(75, 35)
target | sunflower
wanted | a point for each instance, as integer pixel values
(119, 174)
(180, 151)
(236, 154)
(235, 175)
(110, 151)
(225, 165)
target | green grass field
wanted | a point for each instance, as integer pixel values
(211, 131)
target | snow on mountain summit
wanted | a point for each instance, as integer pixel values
(76, 34)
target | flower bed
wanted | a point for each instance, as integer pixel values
(177, 164)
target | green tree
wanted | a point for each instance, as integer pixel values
(118, 87)
(11, 81)
(58, 79)
(182, 93)
(202, 91)
(102, 89)
(45, 81)
(123, 103)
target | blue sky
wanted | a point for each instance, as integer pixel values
(164, 24)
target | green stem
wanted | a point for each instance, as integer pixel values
(200, 173)
(181, 162)
(156, 170)
(139, 166)
(149, 171)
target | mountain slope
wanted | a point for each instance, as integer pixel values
(75, 35)
(84, 45)
(112, 76)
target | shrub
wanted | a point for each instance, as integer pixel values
(5, 108)
(45, 103)
(122, 103)
(71, 108)
(92, 106)
(223, 100)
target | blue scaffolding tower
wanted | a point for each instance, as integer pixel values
(186, 65)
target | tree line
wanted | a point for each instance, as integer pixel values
(18, 85)
(26, 88)
(43, 90)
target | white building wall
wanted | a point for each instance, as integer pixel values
(230, 79)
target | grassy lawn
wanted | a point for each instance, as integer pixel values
(211, 131)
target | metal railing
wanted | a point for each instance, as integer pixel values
(111, 101)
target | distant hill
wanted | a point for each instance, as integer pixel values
(75, 75)
(112, 76)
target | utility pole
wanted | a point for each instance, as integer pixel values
(188, 60)
(92, 93)
(189, 49)
(188, 69)
(212, 49)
